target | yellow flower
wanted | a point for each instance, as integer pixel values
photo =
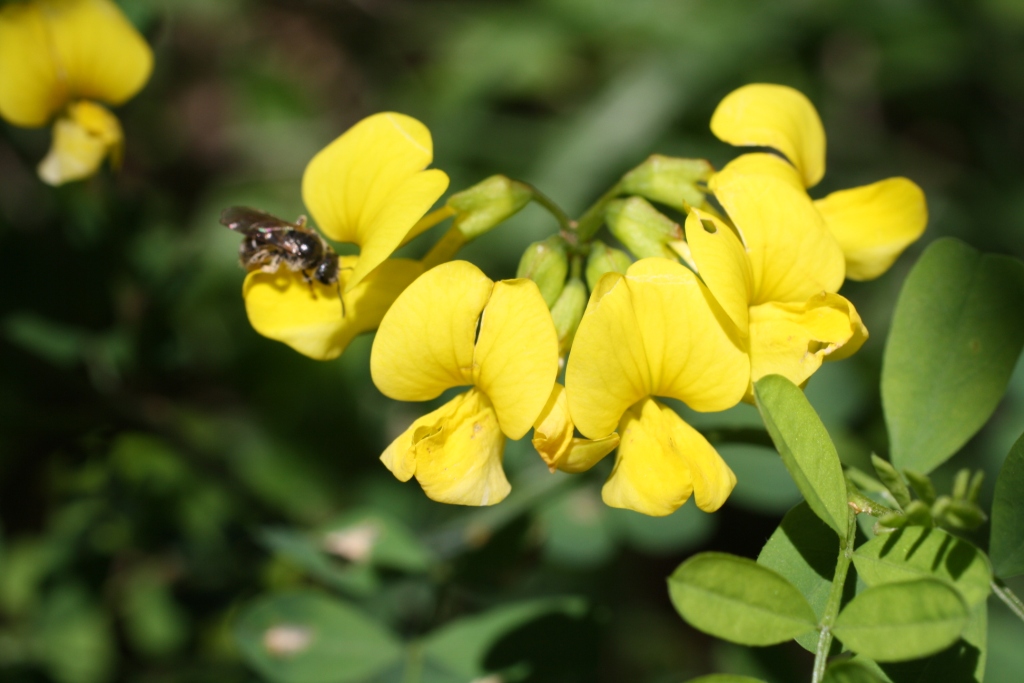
(554, 439)
(367, 187)
(656, 331)
(778, 286)
(62, 57)
(428, 343)
(872, 224)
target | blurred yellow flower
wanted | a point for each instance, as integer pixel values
(428, 343)
(61, 58)
(369, 187)
(872, 224)
(656, 331)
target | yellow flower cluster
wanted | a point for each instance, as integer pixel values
(62, 58)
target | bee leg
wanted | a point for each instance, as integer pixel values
(309, 281)
(341, 298)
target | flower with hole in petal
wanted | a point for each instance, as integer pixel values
(872, 224)
(370, 187)
(656, 331)
(429, 342)
(62, 58)
(777, 274)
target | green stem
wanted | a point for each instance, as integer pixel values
(564, 222)
(1004, 593)
(592, 219)
(835, 599)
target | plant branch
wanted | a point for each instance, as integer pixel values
(564, 222)
(1004, 593)
(835, 599)
(590, 222)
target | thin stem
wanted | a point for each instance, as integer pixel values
(591, 220)
(1004, 593)
(564, 222)
(835, 599)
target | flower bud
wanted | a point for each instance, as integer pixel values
(567, 313)
(670, 181)
(546, 263)
(604, 259)
(488, 203)
(641, 228)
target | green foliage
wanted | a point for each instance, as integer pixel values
(1007, 539)
(308, 637)
(956, 336)
(805, 447)
(735, 598)
(724, 678)
(892, 481)
(899, 621)
(850, 671)
(918, 552)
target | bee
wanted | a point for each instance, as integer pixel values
(270, 242)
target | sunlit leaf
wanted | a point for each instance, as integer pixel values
(1006, 546)
(962, 662)
(956, 336)
(736, 599)
(806, 449)
(308, 637)
(899, 621)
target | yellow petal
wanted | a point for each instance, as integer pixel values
(454, 452)
(81, 141)
(662, 461)
(875, 223)
(56, 50)
(792, 254)
(793, 340)
(722, 263)
(425, 341)
(554, 441)
(690, 345)
(281, 306)
(776, 116)
(516, 357)
(607, 370)
(369, 186)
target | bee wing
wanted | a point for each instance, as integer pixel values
(247, 221)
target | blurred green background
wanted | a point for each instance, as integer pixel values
(162, 465)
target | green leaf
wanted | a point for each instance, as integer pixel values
(898, 621)
(737, 599)
(803, 550)
(373, 537)
(74, 639)
(806, 449)
(850, 671)
(725, 678)
(309, 637)
(686, 528)
(763, 484)
(1006, 546)
(575, 529)
(956, 336)
(299, 548)
(460, 646)
(917, 552)
(963, 662)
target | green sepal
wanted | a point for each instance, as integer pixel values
(670, 181)
(546, 263)
(604, 259)
(567, 313)
(488, 203)
(644, 230)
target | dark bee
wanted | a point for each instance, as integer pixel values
(271, 242)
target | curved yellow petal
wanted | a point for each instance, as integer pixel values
(875, 223)
(792, 254)
(81, 141)
(454, 452)
(554, 441)
(425, 342)
(662, 461)
(776, 116)
(369, 186)
(607, 370)
(793, 340)
(516, 356)
(281, 305)
(691, 349)
(722, 263)
(31, 90)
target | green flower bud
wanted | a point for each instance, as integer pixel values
(892, 481)
(488, 203)
(670, 181)
(604, 259)
(922, 486)
(567, 313)
(546, 263)
(644, 230)
(963, 514)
